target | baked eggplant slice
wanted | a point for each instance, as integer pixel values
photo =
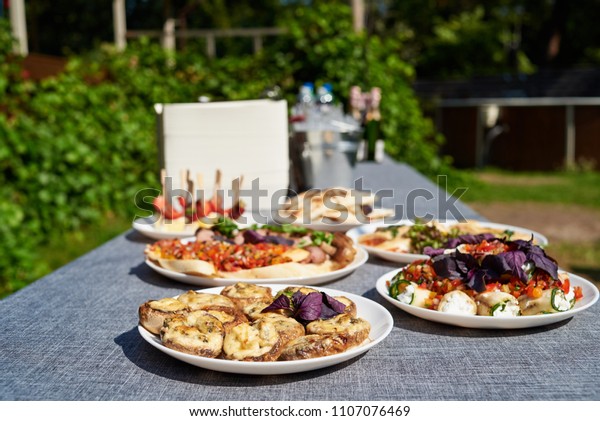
(354, 330)
(201, 301)
(254, 310)
(197, 333)
(287, 327)
(227, 318)
(244, 294)
(350, 306)
(257, 341)
(313, 346)
(152, 314)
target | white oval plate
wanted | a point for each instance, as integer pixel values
(590, 296)
(397, 257)
(334, 226)
(150, 229)
(359, 260)
(330, 226)
(325, 224)
(146, 227)
(381, 325)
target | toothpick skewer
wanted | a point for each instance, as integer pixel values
(236, 185)
(189, 185)
(163, 175)
(216, 195)
(200, 194)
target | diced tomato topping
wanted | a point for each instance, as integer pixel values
(373, 241)
(225, 256)
(578, 293)
(566, 286)
(167, 210)
(492, 286)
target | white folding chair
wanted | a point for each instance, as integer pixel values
(239, 138)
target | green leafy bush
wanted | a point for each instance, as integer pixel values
(79, 146)
(324, 46)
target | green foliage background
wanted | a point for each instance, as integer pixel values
(77, 147)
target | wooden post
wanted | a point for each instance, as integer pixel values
(211, 46)
(358, 14)
(168, 41)
(119, 24)
(19, 26)
(570, 136)
(479, 136)
(257, 44)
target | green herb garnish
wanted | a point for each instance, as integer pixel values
(320, 237)
(226, 227)
(284, 228)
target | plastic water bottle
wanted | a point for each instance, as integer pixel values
(325, 95)
(306, 96)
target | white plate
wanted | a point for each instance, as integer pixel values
(381, 325)
(360, 258)
(590, 296)
(151, 230)
(332, 225)
(393, 256)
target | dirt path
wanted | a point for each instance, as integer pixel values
(558, 222)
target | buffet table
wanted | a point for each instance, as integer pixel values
(73, 336)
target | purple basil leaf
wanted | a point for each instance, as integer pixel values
(516, 259)
(547, 264)
(478, 278)
(538, 257)
(308, 307)
(510, 262)
(524, 246)
(280, 303)
(455, 265)
(445, 265)
(253, 237)
(430, 251)
(468, 239)
(465, 261)
(330, 307)
(452, 243)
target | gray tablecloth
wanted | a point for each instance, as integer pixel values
(73, 336)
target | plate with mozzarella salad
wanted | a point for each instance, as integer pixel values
(406, 241)
(492, 284)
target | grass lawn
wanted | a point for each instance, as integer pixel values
(557, 187)
(60, 251)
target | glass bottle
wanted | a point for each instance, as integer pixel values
(373, 124)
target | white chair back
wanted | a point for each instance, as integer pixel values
(240, 138)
